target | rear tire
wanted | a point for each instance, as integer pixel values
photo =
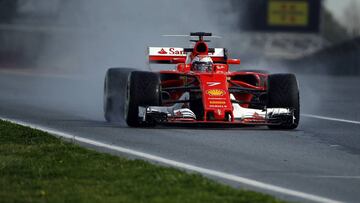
(114, 93)
(143, 89)
(283, 92)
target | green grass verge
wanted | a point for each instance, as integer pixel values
(37, 167)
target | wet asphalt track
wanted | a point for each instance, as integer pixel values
(321, 157)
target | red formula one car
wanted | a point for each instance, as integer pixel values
(200, 90)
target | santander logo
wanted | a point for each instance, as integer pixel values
(172, 51)
(162, 51)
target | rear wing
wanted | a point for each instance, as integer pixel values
(171, 55)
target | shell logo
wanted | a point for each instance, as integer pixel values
(216, 92)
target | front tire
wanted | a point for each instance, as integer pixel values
(283, 92)
(143, 89)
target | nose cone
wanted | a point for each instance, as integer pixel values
(216, 98)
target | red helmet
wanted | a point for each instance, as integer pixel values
(202, 63)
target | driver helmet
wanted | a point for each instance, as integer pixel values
(202, 63)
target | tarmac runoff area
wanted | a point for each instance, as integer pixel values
(318, 162)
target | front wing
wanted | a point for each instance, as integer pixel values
(243, 116)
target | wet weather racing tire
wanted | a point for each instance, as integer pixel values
(143, 89)
(283, 92)
(114, 93)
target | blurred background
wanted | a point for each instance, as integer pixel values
(66, 35)
(82, 38)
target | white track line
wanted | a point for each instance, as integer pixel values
(338, 177)
(181, 165)
(331, 119)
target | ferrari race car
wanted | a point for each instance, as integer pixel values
(200, 90)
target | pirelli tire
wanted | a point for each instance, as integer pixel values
(143, 89)
(283, 92)
(114, 93)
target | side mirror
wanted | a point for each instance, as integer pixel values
(233, 61)
(178, 60)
